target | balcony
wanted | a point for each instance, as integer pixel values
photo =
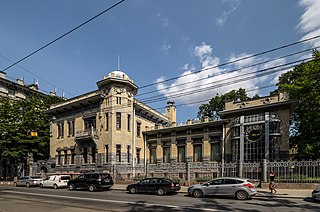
(86, 134)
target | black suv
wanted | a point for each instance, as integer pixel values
(91, 181)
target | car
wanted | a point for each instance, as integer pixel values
(91, 182)
(236, 187)
(55, 181)
(316, 194)
(28, 181)
(159, 186)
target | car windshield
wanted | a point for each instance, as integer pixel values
(65, 178)
(35, 177)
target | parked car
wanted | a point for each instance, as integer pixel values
(91, 181)
(159, 186)
(55, 181)
(28, 181)
(225, 186)
(316, 194)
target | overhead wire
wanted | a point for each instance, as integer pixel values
(34, 75)
(234, 70)
(233, 61)
(175, 95)
(65, 34)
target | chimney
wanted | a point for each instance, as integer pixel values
(171, 113)
(20, 82)
(2, 75)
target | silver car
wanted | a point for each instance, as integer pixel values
(225, 186)
(316, 194)
(55, 181)
(28, 181)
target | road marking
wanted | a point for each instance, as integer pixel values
(111, 201)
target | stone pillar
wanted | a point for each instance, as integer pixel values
(189, 151)
(264, 170)
(206, 151)
(173, 152)
(241, 147)
(266, 136)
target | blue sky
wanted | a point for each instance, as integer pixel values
(156, 40)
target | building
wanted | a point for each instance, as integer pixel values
(16, 91)
(108, 129)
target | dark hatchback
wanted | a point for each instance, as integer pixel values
(159, 186)
(91, 181)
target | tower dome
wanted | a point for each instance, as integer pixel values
(118, 74)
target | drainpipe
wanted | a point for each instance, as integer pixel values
(133, 141)
(222, 149)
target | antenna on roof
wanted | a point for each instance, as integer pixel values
(118, 62)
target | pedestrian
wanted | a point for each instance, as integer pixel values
(272, 185)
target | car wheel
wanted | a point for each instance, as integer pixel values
(160, 191)
(197, 193)
(133, 190)
(242, 195)
(41, 185)
(55, 186)
(72, 187)
(28, 185)
(92, 188)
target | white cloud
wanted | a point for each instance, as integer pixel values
(234, 4)
(189, 82)
(165, 48)
(165, 22)
(310, 21)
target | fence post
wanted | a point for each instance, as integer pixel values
(264, 170)
(240, 169)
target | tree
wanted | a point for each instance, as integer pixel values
(216, 104)
(18, 119)
(303, 84)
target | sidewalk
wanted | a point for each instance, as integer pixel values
(281, 193)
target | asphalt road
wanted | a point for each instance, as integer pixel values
(37, 199)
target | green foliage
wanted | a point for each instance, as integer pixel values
(303, 84)
(216, 104)
(18, 119)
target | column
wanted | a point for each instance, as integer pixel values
(266, 136)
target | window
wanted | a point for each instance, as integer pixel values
(138, 155)
(128, 153)
(59, 157)
(216, 182)
(166, 152)
(90, 123)
(11, 92)
(118, 153)
(107, 121)
(93, 154)
(107, 153)
(197, 152)
(153, 155)
(230, 181)
(181, 154)
(128, 121)
(60, 129)
(72, 156)
(215, 152)
(138, 129)
(85, 155)
(65, 161)
(71, 128)
(118, 120)
(118, 99)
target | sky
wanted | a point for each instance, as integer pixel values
(187, 41)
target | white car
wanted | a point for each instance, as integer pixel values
(55, 181)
